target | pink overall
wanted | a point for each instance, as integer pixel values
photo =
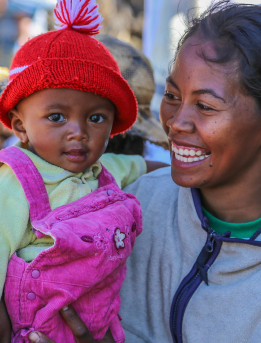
(86, 266)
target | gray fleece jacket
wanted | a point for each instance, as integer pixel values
(186, 284)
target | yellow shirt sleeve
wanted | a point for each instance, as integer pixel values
(125, 168)
(14, 214)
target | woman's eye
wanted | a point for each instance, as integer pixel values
(57, 118)
(170, 96)
(204, 108)
(96, 118)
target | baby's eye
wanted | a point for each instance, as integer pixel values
(96, 118)
(56, 117)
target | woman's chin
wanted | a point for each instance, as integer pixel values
(187, 181)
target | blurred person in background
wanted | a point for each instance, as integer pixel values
(5, 133)
(20, 20)
(8, 33)
(123, 19)
(25, 25)
(7, 136)
(3, 6)
(146, 131)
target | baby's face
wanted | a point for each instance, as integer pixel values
(65, 127)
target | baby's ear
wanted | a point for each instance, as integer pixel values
(18, 125)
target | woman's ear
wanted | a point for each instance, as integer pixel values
(18, 125)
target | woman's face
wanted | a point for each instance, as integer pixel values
(214, 130)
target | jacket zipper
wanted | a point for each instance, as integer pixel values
(176, 306)
(190, 284)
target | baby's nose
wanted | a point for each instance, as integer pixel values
(78, 132)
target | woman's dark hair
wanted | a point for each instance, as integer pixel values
(235, 31)
(127, 144)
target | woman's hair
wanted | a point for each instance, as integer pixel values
(235, 31)
(127, 144)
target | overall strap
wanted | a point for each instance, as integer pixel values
(105, 178)
(30, 179)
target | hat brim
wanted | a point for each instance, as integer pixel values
(62, 73)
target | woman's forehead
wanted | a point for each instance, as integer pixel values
(192, 53)
(190, 70)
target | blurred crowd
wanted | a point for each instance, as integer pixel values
(21, 19)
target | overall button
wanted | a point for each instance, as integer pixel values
(35, 274)
(110, 192)
(31, 296)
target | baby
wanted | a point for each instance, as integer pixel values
(66, 227)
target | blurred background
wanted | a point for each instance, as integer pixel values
(152, 26)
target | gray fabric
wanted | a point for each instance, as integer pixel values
(227, 311)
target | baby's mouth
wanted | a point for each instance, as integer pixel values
(76, 155)
(189, 154)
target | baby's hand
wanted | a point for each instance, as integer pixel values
(79, 330)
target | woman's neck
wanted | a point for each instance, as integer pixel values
(237, 202)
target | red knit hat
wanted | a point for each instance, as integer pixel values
(70, 58)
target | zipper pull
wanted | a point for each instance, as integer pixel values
(210, 242)
(203, 274)
(204, 256)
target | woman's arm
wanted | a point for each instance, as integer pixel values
(79, 330)
(5, 324)
(153, 165)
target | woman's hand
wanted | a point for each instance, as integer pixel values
(5, 324)
(79, 330)
(153, 165)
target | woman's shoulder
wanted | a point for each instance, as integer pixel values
(157, 184)
(157, 179)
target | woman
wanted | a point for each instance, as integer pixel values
(200, 249)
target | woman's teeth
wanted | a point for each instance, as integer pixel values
(190, 159)
(189, 155)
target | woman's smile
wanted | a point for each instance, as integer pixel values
(189, 154)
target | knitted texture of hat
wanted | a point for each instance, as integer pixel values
(70, 58)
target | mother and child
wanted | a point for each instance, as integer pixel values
(66, 227)
(194, 273)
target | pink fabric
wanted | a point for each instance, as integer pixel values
(84, 268)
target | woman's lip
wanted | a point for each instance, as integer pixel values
(184, 145)
(183, 164)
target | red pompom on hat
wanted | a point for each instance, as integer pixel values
(70, 58)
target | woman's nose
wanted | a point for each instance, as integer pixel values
(78, 132)
(181, 121)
